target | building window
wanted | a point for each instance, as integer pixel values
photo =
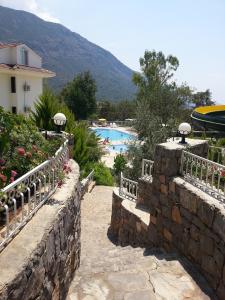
(13, 84)
(24, 57)
(14, 110)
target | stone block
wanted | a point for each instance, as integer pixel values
(197, 222)
(162, 179)
(185, 213)
(153, 235)
(153, 219)
(194, 232)
(188, 200)
(166, 211)
(172, 187)
(219, 225)
(224, 274)
(221, 291)
(167, 234)
(206, 244)
(210, 266)
(163, 199)
(219, 258)
(138, 227)
(164, 189)
(176, 217)
(205, 212)
(193, 249)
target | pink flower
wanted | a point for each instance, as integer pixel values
(3, 177)
(13, 173)
(21, 151)
(11, 179)
(222, 173)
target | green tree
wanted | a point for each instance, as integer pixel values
(203, 98)
(159, 106)
(79, 95)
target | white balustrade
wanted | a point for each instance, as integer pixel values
(128, 188)
(205, 174)
(20, 200)
(147, 167)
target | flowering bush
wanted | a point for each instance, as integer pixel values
(22, 147)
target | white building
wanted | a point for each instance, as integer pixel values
(21, 77)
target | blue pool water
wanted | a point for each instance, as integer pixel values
(118, 148)
(113, 135)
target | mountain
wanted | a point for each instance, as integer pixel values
(67, 53)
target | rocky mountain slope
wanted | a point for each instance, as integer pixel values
(67, 53)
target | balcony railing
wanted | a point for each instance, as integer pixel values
(128, 188)
(147, 167)
(20, 200)
(205, 174)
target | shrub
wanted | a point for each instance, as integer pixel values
(22, 147)
(102, 174)
(119, 164)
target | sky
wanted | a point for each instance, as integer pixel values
(192, 30)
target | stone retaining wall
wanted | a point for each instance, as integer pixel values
(182, 217)
(41, 260)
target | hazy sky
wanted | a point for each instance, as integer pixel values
(192, 30)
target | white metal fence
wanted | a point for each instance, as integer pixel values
(20, 200)
(128, 188)
(203, 173)
(147, 167)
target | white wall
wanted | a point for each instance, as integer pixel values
(33, 59)
(5, 56)
(5, 91)
(30, 97)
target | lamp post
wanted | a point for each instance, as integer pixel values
(59, 120)
(184, 129)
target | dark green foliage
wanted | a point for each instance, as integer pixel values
(45, 109)
(117, 111)
(22, 146)
(119, 164)
(202, 98)
(79, 95)
(102, 174)
(86, 148)
(67, 53)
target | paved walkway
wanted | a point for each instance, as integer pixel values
(112, 272)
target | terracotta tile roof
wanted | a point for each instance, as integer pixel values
(26, 68)
(9, 45)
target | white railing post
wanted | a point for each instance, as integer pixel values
(128, 188)
(147, 166)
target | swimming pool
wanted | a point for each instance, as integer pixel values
(113, 135)
(118, 148)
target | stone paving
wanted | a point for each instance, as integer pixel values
(112, 272)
